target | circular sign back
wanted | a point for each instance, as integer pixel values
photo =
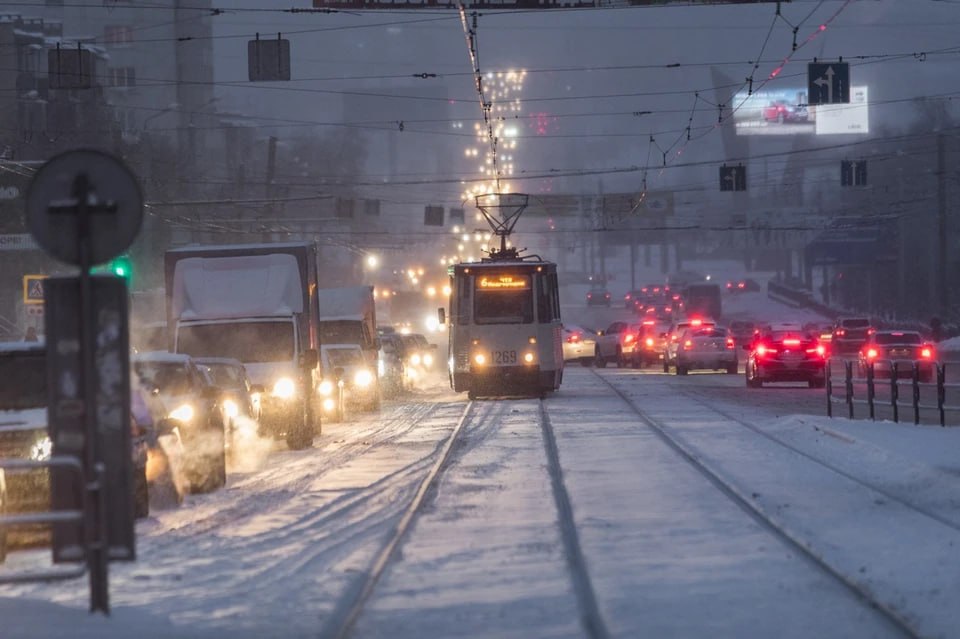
(114, 199)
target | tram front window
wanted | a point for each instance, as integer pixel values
(503, 299)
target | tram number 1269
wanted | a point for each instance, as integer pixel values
(504, 357)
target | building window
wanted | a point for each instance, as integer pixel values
(122, 76)
(117, 34)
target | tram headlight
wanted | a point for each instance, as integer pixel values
(528, 358)
(329, 405)
(480, 359)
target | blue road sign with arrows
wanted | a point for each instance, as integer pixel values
(828, 83)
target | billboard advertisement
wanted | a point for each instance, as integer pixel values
(786, 112)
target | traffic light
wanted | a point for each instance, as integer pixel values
(121, 267)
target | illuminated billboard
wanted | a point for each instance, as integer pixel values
(786, 112)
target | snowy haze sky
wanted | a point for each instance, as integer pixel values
(590, 42)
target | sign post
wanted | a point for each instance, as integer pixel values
(85, 207)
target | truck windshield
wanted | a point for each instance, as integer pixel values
(341, 332)
(503, 299)
(249, 342)
(24, 378)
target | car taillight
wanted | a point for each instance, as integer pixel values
(871, 353)
(821, 350)
(607, 295)
(673, 338)
(649, 341)
(926, 352)
(871, 331)
(627, 296)
(841, 332)
(763, 349)
(696, 322)
(729, 342)
(628, 338)
(741, 285)
(648, 322)
(573, 339)
(688, 344)
(791, 342)
(589, 296)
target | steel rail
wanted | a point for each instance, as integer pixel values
(735, 495)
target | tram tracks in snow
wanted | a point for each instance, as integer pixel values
(742, 500)
(343, 622)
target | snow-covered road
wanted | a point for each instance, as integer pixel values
(281, 551)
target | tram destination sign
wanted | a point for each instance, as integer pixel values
(504, 282)
(522, 5)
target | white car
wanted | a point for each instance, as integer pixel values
(706, 348)
(579, 344)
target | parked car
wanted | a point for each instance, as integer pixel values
(883, 349)
(706, 348)
(193, 404)
(157, 447)
(579, 344)
(785, 356)
(238, 400)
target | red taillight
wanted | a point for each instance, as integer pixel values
(926, 352)
(649, 341)
(729, 342)
(871, 353)
(573, 339)
(607, 295)
(696, 322)
(791, 342)
(589, 296)
(821, 350)
(673, 338)
(841, 332)
(628, 338)
(648, 322)
(871, 331)
(688, 344)
(627, 296)
(729, 284)
(741, 285)
(668, 309)
(763, 349)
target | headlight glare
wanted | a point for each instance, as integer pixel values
(284, 388)
(325, 388)
(480, 359)
(230, 408)
(41, 449)
(415, 359)
(182, 413)
(428, 360)
(363, 379)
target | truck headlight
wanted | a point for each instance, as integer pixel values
(363, 379)
(230, 408)
(325, 388)
(182, 413)
(41, 449)
(428, 359)
(284, 388)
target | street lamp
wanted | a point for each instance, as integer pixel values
(372, 261)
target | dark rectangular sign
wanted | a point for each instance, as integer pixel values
(268, 60)
(66, 407)
(828, 83)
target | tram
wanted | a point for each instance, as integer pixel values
(505, 335)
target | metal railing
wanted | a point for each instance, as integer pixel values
(922, 376)
(71, 463)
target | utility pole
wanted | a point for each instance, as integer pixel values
(943, 295)
(268, 187)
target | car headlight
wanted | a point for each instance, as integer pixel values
(284, 388)
(230, 408)
(363, 379)
(329, 405)
(415, 359)
(183, 413)
(325, 388)
(41, 449)
(428, 360)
